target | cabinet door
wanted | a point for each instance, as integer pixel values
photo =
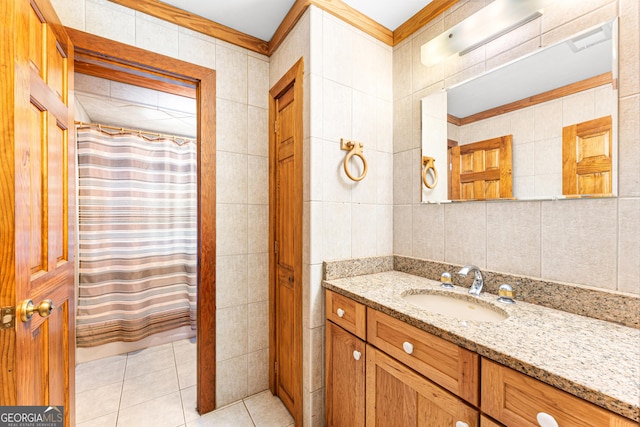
(515, 399)
(345, 378)
(398, 396)
(487, 422)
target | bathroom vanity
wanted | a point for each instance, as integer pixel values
(389, 362)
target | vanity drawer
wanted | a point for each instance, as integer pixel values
(446, 364)
(346, 313)
(516, 399)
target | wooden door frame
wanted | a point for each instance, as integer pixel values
(293, 77)
(110, 59)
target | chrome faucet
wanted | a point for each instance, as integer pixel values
(478, 281)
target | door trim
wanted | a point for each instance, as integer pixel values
(293, 77)
(135, 64)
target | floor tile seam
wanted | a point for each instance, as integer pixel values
(100, 386)
(246, 408)
(166, 368)
(154, 398)
(100, 416)
(147, 373)
(121, 394)
(99, 366)
(184, 415)
(151, 400)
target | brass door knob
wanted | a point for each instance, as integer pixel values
(26, 309)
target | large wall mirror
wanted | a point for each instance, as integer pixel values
(541, 127)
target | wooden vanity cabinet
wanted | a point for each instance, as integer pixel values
(388, 386)
(516, 399)
(381, 371)
(399, 396)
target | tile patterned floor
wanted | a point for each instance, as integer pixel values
(156, 387)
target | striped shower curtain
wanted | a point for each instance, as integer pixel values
(137, 236)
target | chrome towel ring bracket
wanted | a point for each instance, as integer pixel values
(428, 164)
(355, 149)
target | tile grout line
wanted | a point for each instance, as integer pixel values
(175, 364)
(246, 408)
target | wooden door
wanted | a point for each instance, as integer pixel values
(586, 157)
(344, 378)
(482, 170)
(286, 238)
(38, 212)
(398, 396)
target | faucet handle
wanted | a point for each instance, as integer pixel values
(445, 280)
(506, 294)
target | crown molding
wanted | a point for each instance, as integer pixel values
(197, 23)
(337, 8)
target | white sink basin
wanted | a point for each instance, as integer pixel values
(461, 307)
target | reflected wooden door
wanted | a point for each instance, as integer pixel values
(482, 170)
(286, 236)
(37, 222)
(586, 157)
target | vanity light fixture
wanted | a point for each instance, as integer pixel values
(489, 23)
(590, 38)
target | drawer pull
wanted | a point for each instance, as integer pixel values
(546, 420)
(408, 347)
(461, 424)
(340, 312)
(356, 354)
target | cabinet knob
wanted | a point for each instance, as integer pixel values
(461, 424)
(408, 347)
(546, 420)
(340, 312)
(357, 354)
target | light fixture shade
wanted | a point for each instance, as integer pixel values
(490, 22)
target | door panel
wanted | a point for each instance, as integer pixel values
(586, 157)
(482, 170)
(287, 359)
(38, 353)
(286, 239)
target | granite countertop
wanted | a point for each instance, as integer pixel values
(593, 359)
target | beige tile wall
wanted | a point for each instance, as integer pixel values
(589, 242)
(348, 84)
(242, 179)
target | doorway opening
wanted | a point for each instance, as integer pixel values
(99, 57)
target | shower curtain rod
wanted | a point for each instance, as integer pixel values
(175, 138)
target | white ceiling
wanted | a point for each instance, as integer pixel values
(132, 107)
(261, 18)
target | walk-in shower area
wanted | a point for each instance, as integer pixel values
(137, 218)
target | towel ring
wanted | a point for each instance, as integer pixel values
(355, 149)
(429, 164)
